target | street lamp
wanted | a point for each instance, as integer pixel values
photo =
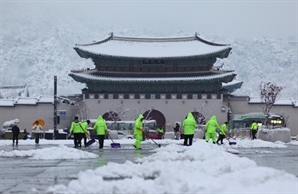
(55, 108)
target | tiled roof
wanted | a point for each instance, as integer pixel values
(6, 102)
(150, 79)
(26, 100)
(153, 47)
(281, 101)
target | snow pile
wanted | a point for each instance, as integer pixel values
(257, 143)
(11, 123)
(277, 134)
(52, 153)
(201, 168)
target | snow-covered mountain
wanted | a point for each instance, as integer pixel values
(35, 51)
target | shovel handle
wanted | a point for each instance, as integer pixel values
(155, 142)
(110, 137)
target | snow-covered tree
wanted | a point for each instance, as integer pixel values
(269, 93)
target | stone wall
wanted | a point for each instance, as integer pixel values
(27, 114)
(173, 110)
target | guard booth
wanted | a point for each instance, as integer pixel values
(241, 123)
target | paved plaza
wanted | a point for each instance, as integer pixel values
(20, 174)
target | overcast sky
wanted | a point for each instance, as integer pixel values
(229, 18)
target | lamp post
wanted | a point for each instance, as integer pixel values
(55, 107)
(229, 112)
(229, 109)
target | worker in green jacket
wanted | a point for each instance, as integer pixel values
(77, 130)
(189, 125)
(138, 131)
(254, 129)
(101, 129)
(222, 132)
(211, 126)
(85, 133)
(160, 132)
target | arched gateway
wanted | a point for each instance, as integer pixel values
(164, 72)
(155, 115)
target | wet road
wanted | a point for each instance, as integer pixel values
(279, 158)
(20, 175)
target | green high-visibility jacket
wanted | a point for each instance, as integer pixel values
(189, 125)
(254, 126)
(76, 127)
(223, 129)
(85, 126)
(137, 130)
(160, 130)
(100, 126)
(212, 124)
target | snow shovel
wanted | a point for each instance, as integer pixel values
(155, 142)
(90, 142)
(114, 145)
(231, 143)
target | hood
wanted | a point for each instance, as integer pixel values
(140, 117)
(99, 118)
(190, 116)
(213, 118)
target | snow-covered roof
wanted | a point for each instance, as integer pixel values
(46, 99)
(281, 101)
(150, 79)
(232, 86)
(6, 102)
(232, 83)
(153, 47)
(26, 100)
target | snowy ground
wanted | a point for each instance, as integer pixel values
(201, 168)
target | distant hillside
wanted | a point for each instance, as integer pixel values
(32, 53)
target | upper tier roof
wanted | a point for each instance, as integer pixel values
(150, 79)
(153, 47)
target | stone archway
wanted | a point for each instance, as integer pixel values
(200, 119)
(155, 115)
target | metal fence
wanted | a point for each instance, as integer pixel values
(240, 132)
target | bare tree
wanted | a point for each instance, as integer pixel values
(116, 113)
(144, 111)
(147, 114)
(269, 93)
(81, 109)
(205, 111)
